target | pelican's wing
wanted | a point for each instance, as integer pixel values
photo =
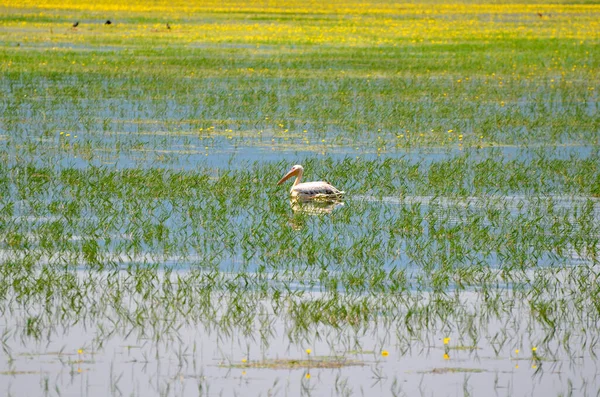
(317, 190)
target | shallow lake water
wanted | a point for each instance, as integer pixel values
(144, 251)
(481, 349)
(95, 357)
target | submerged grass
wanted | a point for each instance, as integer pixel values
(455, 212)
(138, 164)
(153, 223)
(449, 76)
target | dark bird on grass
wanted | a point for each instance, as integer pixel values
(108, 22)
(540, 14)
(76, 24)
(168, 26)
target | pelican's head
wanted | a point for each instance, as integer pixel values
(296, 170)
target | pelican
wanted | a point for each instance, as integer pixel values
(309, 190)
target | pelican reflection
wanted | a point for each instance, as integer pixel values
(315, 207)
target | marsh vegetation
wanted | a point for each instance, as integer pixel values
(145, 248)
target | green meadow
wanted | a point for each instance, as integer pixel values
(145, 248)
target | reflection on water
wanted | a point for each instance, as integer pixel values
(139, 339)
(315, 207)
(512, 202)
(303, 208)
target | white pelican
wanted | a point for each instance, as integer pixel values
(309, 190)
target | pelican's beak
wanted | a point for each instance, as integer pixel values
(287, 176)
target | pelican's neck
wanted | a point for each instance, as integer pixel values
(298, 178)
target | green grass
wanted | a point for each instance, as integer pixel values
(139, 206)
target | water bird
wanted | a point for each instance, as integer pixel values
(108, 22)
(309, 190)
(76, 24)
